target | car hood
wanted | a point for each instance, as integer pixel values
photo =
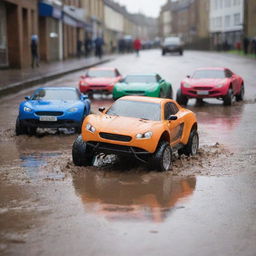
(121, 125)
(136, 86)
(205, 81)
(102, 80)
(55, 105)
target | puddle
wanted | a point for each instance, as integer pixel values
(33, 166)
(132, 197)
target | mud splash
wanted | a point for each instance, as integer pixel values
(208, 161)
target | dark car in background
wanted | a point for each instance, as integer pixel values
(172, 44)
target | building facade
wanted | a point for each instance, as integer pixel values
(250, 18)
(18, 22)
(187, 19)
(226, 23)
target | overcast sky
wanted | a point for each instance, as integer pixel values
(147, 7)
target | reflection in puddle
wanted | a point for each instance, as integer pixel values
(132, 197)
(32, 164)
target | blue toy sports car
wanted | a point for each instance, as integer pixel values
(52, 107)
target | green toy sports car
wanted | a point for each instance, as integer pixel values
(151, 85)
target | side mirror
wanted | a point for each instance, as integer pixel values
(188, 76)
(101, 109)
(82, 77)
(27, 97)
(172, 118)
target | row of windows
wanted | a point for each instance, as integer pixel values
(219, 4)
(218, 21)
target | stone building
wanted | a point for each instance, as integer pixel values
(165, 20)
(187, 19)
(226, 23)
(250, 18)
(18, 22)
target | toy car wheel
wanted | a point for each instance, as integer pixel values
(161, 94)
(227, 99)
(80, 153)
(78, 129)
(90, 95)
(170, 93)
(181, 99)
(191, 148)
(162, 158)
(31, 130)
(19, 127)
(181, 53)
(163, 52)
(240, 96)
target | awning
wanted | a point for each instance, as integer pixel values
(74, 16)
(49, 10)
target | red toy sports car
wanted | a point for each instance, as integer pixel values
(220, 83)
(100, 80)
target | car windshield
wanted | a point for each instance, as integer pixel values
(136, 109)
(209, 74)
(101, 73)
(140, 79)
(172, 41)
(55, 94)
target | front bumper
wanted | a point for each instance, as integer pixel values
(63, 119)
(172, 49)
(204, 92)
(118, 149)
(64, 123)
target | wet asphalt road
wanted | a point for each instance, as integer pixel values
(205, 206)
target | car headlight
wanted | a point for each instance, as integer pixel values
(26, 109)
(186, 85)
(72, 109)
(219, 86)
(90, 128)
(146, 135)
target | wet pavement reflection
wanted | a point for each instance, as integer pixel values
(132, 197)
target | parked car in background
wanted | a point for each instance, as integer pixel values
(99, 80)
(52, 107)
(172, 44)
(218, 82)
(152, 85)
(148, 129)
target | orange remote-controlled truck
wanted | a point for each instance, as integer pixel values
(149, 129)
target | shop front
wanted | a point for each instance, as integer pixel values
(3, 37)
(50, 31)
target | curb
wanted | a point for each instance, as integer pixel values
(16, 87)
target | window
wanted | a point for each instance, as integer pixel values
(218, 22)
(227, 3)
(237, 19)
(228, 73)
(227, 21)
(170, 109)
(136, 109)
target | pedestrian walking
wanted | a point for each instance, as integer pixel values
(246, 43)
(34, 51)
(87, 46)
(137, 46)
(99, 42)
(79, 48)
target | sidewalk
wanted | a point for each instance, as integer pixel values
(13, 80)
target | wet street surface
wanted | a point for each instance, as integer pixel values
(206, 205)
